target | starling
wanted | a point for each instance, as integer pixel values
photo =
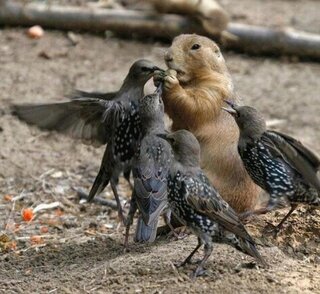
(150, 169)
(111, 119)
(199, 206)
(278, 163)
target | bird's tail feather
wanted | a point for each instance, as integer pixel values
(245, 246)
(146, 233)
(251, 249)
(100, 182)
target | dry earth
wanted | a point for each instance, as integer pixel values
(81, 249)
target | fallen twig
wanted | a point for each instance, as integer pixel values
(44, 206)
(84, 196)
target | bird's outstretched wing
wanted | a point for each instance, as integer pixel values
(87, 119)
(83, 94)
(150, 177)
(206, 200)
(302, 159)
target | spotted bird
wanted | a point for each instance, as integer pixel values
(279, 164)
(199, 206)
(110, 118)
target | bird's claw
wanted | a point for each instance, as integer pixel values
(178, 236)
(200, 271)
(122, 220)
(126, 248)
(272, 229)
(245, 217)
(188, 261)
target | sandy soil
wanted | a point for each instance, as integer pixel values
(80, 249)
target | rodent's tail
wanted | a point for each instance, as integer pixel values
(146, 233)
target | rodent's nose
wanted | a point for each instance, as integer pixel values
(168, 56)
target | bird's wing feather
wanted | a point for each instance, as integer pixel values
(150, 178)
(309, 155)
(206, 200)
(83, 118)
(83, 94)
(303, 160)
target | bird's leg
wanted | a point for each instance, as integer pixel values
(248, 214)
(188, 259)
(167, 220)
(259, 211)
(129, 221)
(126, 175)
(116, 196)
(276, 229)
(200, 270)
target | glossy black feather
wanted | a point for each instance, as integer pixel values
(80, 118)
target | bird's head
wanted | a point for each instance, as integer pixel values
(250, 122)
(152, 105)
(142, 70)
(185, 146)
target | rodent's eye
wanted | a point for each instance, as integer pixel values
(195, 47)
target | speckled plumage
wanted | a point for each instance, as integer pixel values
(108, 118)
(199, 206)
(150, 169)
(273, 175)
(278, 163)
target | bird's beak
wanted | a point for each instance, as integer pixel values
(163, 136)
(166, 137)
(157, 68)
(159, 89)
(231, 104)
(232, 111)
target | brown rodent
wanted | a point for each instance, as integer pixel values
(194, 89)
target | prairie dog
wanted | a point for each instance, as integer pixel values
(195, 87)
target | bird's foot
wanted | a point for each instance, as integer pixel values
(187, 261)
(200, 271)
(122, 219)
(246, 217)
(126, 247)
(272, 229)
(178, 233)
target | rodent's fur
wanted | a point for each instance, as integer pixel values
(193, 100)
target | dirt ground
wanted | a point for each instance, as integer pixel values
(80, 245)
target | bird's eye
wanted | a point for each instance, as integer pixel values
(144, 68)
(195, 47)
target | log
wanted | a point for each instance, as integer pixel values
(281, 41)
(123, 22)
(213, 17)
(251, 39)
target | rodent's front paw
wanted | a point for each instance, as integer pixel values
(170, 80)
